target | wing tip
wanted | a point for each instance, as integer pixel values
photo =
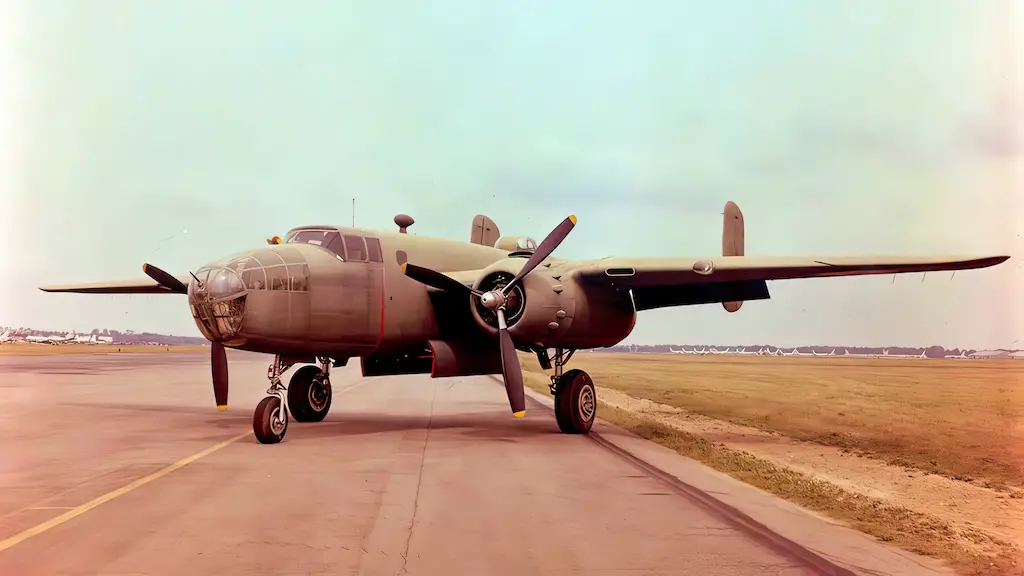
(988, 261)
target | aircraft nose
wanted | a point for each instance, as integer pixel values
(216, 296)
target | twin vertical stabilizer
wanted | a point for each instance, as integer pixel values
(732, 241)
(484, 232)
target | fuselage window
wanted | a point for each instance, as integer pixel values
(254, 279)
(356, 248)
(373, 250)
(277, 277)
(402, 257)
(299, 277)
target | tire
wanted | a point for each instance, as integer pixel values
(309, 397)
(575, 402)
(265, 428)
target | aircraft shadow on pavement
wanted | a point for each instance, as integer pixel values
(490, 425)
(495, 424)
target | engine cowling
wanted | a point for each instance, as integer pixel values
(550, 308)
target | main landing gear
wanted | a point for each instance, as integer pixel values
(307, 397)
(575, 396)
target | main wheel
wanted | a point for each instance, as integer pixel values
(309, 395)
(575, 402)
(270, 421)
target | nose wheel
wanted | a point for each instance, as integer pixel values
(270, 421)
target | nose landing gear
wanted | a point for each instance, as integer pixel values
(307, 397)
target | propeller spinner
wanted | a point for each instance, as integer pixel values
(496, 300)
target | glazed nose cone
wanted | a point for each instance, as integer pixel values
(217, 301)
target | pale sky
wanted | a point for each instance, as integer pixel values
(839, 127)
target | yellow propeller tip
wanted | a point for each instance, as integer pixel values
(572, 218)
(222, 408)
(519, 414)
(403, 267)
(144, 266)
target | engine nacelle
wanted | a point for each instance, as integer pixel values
(551, 308)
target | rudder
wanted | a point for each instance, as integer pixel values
(732, 241)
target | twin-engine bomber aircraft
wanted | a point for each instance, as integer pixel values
(414, 305)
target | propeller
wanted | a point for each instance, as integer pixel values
(164, 279)
(218, 355)
(436, 279)
(495, 300)
(219, 364)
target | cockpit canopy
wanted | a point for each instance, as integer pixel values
(516, 244)
(346, 247)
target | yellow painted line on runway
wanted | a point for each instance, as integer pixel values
(79, 510)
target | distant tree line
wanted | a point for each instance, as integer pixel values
(929, 351)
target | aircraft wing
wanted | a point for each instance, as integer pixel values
(659, 282)
(134, 286)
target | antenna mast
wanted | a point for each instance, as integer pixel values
(353, 212)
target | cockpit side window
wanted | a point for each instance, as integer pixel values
(335, 244)
(373, 252)
(356, 248)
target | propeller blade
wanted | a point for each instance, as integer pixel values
(436, 279)
(164, 279)
(543, 251)
(512, 371)
(219, 363)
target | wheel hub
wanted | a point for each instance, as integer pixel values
(317, 395)
(277, 421)
(587, 403)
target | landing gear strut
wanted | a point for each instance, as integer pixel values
(575, 396)
(308, 398)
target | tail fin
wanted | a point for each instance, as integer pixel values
(484, 232)
(732, 241)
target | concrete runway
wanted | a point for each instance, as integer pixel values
(122, 465)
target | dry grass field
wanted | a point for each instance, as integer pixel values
(959, 418)
(908, 419)
(19, 349)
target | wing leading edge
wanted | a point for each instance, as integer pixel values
(134, 286)
(660, 282)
